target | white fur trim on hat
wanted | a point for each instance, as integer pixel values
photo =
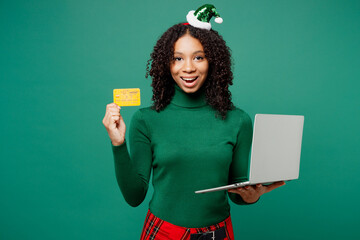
(193, 21)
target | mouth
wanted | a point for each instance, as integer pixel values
(188, 79)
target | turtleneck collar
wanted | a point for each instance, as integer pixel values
(189, 100)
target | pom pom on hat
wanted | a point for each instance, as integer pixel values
(218, 20)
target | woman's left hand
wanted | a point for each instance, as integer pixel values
(251, 194)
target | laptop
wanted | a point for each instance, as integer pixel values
(275, 151)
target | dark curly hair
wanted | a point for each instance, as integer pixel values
(219, 75)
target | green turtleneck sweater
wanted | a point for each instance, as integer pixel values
(188, 149)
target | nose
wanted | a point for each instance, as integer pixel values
(188, 66)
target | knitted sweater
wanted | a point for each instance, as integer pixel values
(187, 148)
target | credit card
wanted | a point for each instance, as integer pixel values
(127, 96)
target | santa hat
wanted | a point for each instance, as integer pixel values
(201, 17)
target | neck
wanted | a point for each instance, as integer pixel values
(189, 100)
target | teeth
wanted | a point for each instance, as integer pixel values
(189, 79)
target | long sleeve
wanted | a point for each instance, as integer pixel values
(240, 163)
(133, 170)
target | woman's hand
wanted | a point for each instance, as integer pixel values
(251, 194)
(114, 124)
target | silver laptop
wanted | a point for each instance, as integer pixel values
(275, 152)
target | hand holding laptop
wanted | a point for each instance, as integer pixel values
(251, 194)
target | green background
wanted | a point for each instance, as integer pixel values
(60, 60)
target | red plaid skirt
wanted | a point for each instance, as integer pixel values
(158, 229)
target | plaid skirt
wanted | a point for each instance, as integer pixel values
(158, 229)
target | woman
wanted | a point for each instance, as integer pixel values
(193, 138)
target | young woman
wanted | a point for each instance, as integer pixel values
(192, 138)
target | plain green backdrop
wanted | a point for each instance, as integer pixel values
(60, 60)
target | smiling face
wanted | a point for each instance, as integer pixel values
(189, 67)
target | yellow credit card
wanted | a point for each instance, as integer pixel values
(127, 96)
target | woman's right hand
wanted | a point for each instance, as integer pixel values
(114, 124)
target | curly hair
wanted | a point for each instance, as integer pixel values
(219, 76)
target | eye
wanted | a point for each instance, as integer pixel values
(177, 58)
(199, 58)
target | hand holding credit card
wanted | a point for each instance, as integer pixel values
(127, 97)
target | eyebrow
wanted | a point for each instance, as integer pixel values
(193, 52)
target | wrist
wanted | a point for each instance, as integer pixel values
(250, 201)
(116, 143)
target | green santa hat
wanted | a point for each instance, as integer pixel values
(201, 17)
